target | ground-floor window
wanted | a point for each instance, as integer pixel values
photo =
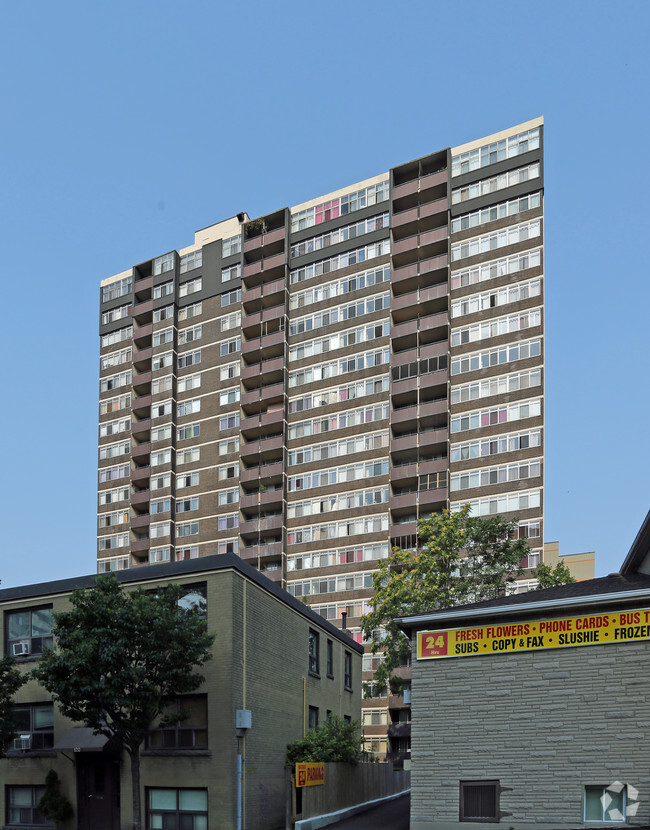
(479, 801)
(605, 803)
(176, 809)
(21, 807)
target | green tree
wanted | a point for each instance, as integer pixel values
(10, 681)
(334, 740)
(462, 559)
(550, 577)
(121, 657)
(53, 804)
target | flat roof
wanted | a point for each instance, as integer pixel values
(174, 570)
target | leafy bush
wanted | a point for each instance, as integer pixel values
(334, 740)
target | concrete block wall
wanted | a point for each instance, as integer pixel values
(545, 724)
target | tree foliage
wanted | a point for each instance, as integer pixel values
(462, 559)
(551, 577)
(121, 657)
(334, 740)
(10, 681)
(53, 804)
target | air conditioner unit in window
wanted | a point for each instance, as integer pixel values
(19, 649)
(23, 742)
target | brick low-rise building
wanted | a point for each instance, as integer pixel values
(533, 710)
(272, 656)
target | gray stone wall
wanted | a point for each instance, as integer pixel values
(545, 724)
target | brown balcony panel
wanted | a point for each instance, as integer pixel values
(269, 267)
(267, 499)
(437, 206)
(433, 236)
(401, 387)
(265, 291)
(436, 465)
(406, 529)
(140, 545)
(263, 472)
(141, 428)
(253, 552)
(405, 217)
(268, 238)
(141, 450)
(142, 379)
(142, 405)
(141, 474)
(404, 245)
(140, 521)
(143, 284)
(423, 267)
(404, 501)
(397, 702)
(145, 307)
(431, 500)
(404, 415)
(274, 365)
(263, 421)
(404, 473)
(264, 526)
(274, 574)
(142, 334)
(142, 356)
(140, 497)
(266, 345)
(404, 442)
(264, 394)
(415, 299)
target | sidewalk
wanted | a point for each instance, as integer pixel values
(394, 815)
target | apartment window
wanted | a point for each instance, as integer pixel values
(228, 546)
(226, 497)
(479, 801)
(231, 273)
(165, 313)
(231, 297)
(605, 803)
(163, 457)
(231, 321)
(190, 731)
(228, 446)
(161, 433)
(188, 456)
(160, 530)
(314, 649)
(159, 410)
(176, 808)
(116, 564)
(229, 471)
(28, 631)
(188, 383)
(118, 336)
(190, 335)
(186, 505)
(162, 361)
(187, 529)
(191, 261)
(231, 370)
(22, 807)
(189, 407)
(189, 431)
(162, 264)
(230, 346)
(161, 385)
(229, 421)
(116, 314)
(189, 359)
(190, 287)
(182, 554)
(34, 727)
(159, 555)
(228, 522)
(189, 480)
(193, 310)
(160, 482)
(330, 658)
(347, 671)
(313, 717)
(231, 246)
(229, 396)
(163, 290)
(117, 289)
(161, 506)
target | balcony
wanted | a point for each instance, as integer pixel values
(432, 500)
(270, 239)
(259, 399)
(142, 335)
(141, 474)
(406, 306)
(263, 296)
(267, 269)
(139, 545)
(264, 449)
(399, 730)
(428, 329)
(140, 497)
(263, 346)
(270, 550)
(267, 372)
(142, 383)
(403, 474)
(262, 472)
(268, 320)
(141, 451)
(141, 429)
(270, 524)
(421, 274)
(421, 185)
(263, 501)
(142, 312)
(141, 406)
(140, 521)
(254, 426)
(142, 358)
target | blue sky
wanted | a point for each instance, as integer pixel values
(126, 126)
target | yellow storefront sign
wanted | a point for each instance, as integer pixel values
(504, 638)
(309, 774)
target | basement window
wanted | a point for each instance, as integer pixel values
(479, 801)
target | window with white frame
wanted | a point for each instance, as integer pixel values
(162, 264)
(191, 261)
(190, 287)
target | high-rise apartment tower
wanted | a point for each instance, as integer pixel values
(300, 388)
